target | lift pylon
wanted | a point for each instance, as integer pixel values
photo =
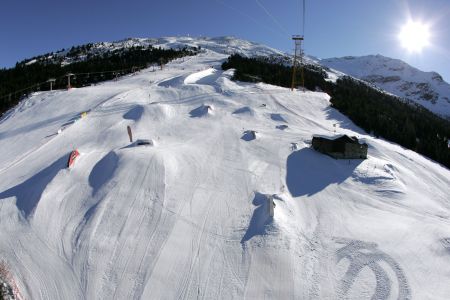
(298, 61)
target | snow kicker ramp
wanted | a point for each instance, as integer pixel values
(187, 218)
(206, 77)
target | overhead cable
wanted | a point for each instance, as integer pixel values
(272, 17)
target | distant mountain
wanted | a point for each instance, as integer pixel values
(225, 45)
(397, 77)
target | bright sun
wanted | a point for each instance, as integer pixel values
(415, 36)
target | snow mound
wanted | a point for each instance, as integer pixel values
(244, 111)
(278, 118)
(172, 82)
(249, 135)
(201, 111)
(261, 221)
(161, 111)
(207, 77)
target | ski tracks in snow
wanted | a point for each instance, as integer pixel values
(362, 255)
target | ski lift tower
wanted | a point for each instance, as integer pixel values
(298, 55)
(51, 81)
(68, 80)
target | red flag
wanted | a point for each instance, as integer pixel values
(72, 158)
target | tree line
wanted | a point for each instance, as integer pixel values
(18, 82)
(378, 113)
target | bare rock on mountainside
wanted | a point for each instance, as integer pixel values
(397, 77)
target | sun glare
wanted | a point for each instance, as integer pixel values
(415, 36)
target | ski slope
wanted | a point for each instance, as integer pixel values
(187, 217)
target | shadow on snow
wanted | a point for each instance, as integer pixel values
(278, 118)
(134, 114)
(103, 171)
(199, 112)
(243, 110)
(309, 172)
(260, 220)
(248, 135)
(29, 192)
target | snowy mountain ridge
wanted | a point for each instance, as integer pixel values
(394, 76)
(225, 44)
(187, 217)
(397, 77)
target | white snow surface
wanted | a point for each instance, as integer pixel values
(397, 77)
(187, 217)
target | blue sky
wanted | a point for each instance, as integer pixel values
(333, 28)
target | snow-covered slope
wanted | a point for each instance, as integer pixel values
(225, 44)
(187, 217)
(397, 77)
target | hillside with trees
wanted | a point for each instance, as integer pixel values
(31, 75)
(375, 111)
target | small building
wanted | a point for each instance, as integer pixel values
(340, 147)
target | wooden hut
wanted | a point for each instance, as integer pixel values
(340, 147)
